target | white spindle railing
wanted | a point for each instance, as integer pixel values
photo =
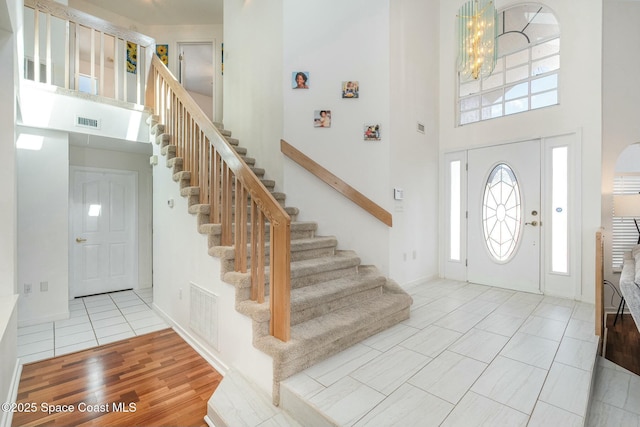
(74, 50)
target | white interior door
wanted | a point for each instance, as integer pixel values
(504, 216)
(197, 73)
(103, 225)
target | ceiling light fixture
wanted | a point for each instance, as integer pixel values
(477, 39)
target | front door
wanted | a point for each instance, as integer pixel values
(504, 216)
(103, 231)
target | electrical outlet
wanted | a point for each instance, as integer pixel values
(44, 286)
(180, 293)
(27, 288)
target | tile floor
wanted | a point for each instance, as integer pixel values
(615, 400)
(94, 320)
(469, 355)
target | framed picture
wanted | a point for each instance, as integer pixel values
(350, 89)
(132, 57)
(300, 80)
(322, 118)
(162, 50)
(372, 132)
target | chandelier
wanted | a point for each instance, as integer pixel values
(477, 39)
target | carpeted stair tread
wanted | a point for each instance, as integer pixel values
(317, 300)
(311, 295)
(297, 245)
(341, 260)
(318, 335)
(296, 226)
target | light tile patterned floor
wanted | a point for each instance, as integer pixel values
(616, 397)
(469, 355)
(94, 320)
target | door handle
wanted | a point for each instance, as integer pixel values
(80, 240)
(534, 223)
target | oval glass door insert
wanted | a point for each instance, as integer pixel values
(501, 212)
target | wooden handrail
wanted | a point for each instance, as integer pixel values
(215, 167)
(342, 187)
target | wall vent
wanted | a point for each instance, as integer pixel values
(203, 314)
(420, 127)
(86, 122)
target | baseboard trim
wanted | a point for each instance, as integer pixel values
(7, 416)
(418, 281)
(212, 359)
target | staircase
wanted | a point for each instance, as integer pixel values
(335, 301)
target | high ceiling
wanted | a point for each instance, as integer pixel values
(165, 12)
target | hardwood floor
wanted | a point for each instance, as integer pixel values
(150, 380)
(623, 343)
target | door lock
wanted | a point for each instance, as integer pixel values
(80, 240)
(534, 223)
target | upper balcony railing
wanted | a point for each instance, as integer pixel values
(71, 49)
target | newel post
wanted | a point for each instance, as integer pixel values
(280, 280)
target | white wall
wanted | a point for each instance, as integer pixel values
(8, 218)
(579, 111)
(338, 41)
(9, 26)
(105, 159)
(620, 109)
(43, 224)
(43, 108)
(9, 368)
(413, 156)
(253, 79)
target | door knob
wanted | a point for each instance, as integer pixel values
(80, 240)
(534, 223)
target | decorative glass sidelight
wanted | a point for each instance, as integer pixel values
(501, 212)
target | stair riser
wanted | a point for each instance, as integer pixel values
(312, 279)
(184, 179)
(214, 238)
(244, 294)
(261, 329)
(320, 309)
(296, 255)
(292, 367)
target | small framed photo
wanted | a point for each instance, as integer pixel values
(300, 80)
(350, 89)
(322, 119)
(372, 132)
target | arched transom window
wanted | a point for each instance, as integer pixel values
(526, 73)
